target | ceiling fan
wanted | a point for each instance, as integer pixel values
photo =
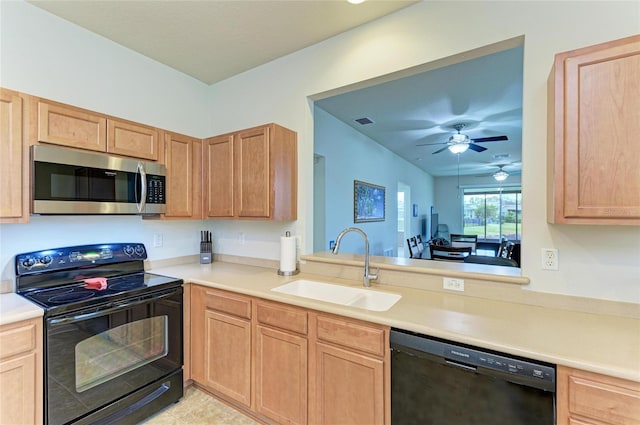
(459, 143)
(501, 174)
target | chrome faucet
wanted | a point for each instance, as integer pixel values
(366, 280)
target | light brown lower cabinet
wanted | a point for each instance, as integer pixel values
(221, 343)
(21, 372)
(586, 398)
(351, 376)
(306, 366)
(281, 365)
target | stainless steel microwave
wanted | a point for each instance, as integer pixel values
(66, 181)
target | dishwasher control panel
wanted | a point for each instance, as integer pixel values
(497, 362)
(474, 359)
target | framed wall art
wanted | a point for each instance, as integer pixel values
(368, 202)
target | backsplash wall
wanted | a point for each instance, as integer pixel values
(179, 238)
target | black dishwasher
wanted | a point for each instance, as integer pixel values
(438, 382)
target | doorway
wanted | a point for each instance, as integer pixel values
(404, 216)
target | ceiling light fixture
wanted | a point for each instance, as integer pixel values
(356, 1)
(458, 147)
(458, 143)
(501, 175)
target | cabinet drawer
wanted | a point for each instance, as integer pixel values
(606, 399)
(228, 302)
(352, 334)
(17, 338)
(282, 316)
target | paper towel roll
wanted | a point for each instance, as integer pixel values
(287, 253)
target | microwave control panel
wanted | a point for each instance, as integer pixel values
(155, 189)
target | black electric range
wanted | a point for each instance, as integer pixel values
(113, 345)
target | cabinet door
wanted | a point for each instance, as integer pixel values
(253, 181)
(13, 201)
(281, 375)
(219, 176)
(130, 139)
(586, 397)
(69, 126)
(227, 356)
(350, 387)
(18, 390)
(595, 96)
(184, 194)
(21, 372)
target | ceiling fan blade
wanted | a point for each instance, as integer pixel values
(476, 148)
(432, 144)
(490, 139)
(440, 150)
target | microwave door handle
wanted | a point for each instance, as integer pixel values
(143, 188)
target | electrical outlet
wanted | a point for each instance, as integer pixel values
(453, 284)
(157, 240)
(549, 259)
(241, 238)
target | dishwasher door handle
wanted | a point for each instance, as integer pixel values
(461, 365)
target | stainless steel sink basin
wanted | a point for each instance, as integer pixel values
(344, 295)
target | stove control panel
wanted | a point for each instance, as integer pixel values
(78, 256)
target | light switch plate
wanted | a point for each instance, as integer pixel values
(453, 284)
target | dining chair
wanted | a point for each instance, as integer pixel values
(449, 253)
(506, 249)
(413, 248)
(419, 244)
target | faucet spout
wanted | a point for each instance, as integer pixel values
(367, 278)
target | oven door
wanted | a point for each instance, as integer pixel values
(97, 356)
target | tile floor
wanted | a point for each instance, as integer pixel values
(196, 408)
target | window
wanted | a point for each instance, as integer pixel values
(119, 350)
(492, 213)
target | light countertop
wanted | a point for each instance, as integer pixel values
(14, 308)
(595, 342)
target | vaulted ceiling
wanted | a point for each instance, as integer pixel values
(212, 40)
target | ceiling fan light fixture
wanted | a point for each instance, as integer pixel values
(501, 175)
(458, 147)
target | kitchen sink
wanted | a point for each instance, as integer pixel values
(337, 294)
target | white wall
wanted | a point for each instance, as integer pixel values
(43, 55)
(350, 155)
(589, 255)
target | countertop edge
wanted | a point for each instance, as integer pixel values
(14, 308)
(227, 281)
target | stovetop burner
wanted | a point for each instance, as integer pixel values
(71, 297)
(126, 283)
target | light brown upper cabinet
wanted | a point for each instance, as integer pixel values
(252, 174)
(593, 126)
(217, 163)
(14, 201)
(66, 125)
(184, 176)
(132, 139)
